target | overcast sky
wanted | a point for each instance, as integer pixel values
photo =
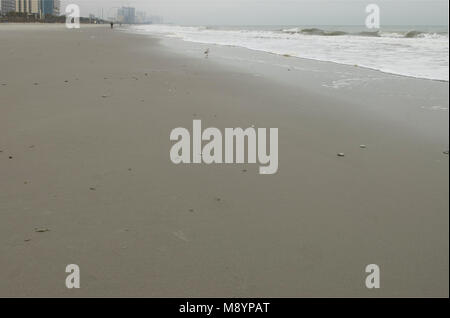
(276, 12)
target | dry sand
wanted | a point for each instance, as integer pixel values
(85, 116)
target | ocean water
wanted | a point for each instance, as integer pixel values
(417, 51)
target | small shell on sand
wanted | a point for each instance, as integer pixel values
(341, 154)
(181, 236)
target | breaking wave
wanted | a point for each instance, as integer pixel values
(377, 33)
(415, 53)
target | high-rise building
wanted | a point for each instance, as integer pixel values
(28, 6)
(7, 6)
(141, 17)
(50, 7)
(56, 7)
(126, 15)
(41, 7)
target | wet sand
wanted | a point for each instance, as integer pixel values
(86, 178)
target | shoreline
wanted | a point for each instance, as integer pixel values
(84, 141)
(304, 58)
(235, 46)
(365, 85)
(286, 46)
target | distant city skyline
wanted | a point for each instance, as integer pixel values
(276, 12)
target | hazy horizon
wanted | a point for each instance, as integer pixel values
(275, 12)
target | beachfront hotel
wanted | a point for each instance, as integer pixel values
(126, 15)
(7, 6)
(50, 7)
(28, 6)
(41, 7)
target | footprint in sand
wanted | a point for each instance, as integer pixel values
(181, 236)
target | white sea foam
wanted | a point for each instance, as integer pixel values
(409, 53)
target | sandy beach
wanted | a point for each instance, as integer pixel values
(86, 178)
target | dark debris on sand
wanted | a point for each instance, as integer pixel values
(41, 230)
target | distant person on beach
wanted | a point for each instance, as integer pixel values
(112, 25)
